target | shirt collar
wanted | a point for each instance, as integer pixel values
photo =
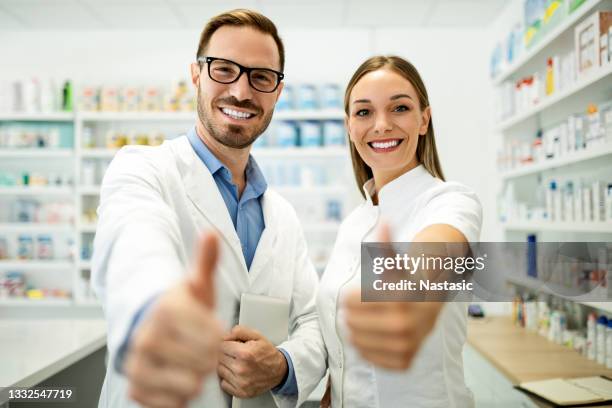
(210, 160)
(254, 176)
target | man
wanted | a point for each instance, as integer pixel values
(165, 327)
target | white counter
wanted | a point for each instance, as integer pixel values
(33, 350)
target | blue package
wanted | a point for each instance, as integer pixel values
(286, 134)
(306, 97)
(330, 97)
(285, 101)
(333, 210)
(310, 134)
(333, 133)
(532, 256)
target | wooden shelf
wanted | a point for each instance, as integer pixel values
(522, 355)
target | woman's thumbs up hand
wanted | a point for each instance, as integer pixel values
(389, 334)
(177, 344)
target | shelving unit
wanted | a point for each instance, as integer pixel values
(593, 81)
(570, 21)
(595, 87)
(556, 290)
(84, 195)
(594, 227)
(568, 160)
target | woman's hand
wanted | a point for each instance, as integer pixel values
(389, 334)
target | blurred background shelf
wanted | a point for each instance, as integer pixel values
(595, 227)
(35, 153)
(35, 227)
(35, 265)
(593, 82)
(538, 49)
(571, 158)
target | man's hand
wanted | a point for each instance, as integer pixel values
(249, 364)
(389, 334)
(177, 345)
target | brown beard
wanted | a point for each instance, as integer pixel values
(234, 136)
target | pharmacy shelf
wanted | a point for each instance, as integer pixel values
(553, 289)
(587, 227)
(136, 116)
(301, 152)
(603, 306)
(35, 265)
(46, 302)
(312, 114)
(98, 153)
(37, 117)
(37, 153)
(88, 227)
(35, 227)
(88, 303)
(36, 190)
(89, 190)
(597, 78)
(577, 157)
(533, 52)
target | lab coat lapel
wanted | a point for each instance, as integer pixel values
(267, 242)
(204, 194)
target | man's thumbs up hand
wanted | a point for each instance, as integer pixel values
(178, 342)
(203, 282)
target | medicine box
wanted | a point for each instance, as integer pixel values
(590, 48)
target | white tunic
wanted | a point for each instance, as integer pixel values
(408, 204)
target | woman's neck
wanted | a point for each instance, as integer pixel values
(384, 177)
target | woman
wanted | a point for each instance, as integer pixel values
(395, 354)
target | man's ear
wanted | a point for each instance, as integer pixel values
(195, 74)
(425, 118)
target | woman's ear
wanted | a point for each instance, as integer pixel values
(425, 118)
(347, 126)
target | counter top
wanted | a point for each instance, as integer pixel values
(32, 350)
(523, 355)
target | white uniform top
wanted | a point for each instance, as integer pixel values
(409, 203)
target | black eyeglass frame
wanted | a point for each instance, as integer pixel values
(208, 60)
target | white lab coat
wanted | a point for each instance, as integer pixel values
(435, 379)
(155, 201)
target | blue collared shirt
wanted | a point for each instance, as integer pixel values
(246, 212)
(247, 216)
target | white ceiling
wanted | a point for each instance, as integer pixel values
(192, 14)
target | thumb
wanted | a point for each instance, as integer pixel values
(202, 283)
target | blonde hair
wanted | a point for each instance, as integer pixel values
(426, 152)
(242, 18)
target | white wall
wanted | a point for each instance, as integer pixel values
(453, 64)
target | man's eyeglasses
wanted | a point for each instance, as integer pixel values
(226, 72)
